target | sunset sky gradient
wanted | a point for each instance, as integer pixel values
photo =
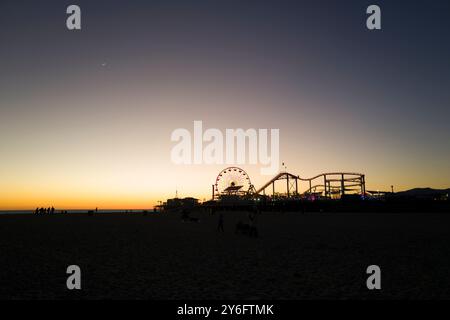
(86, 116)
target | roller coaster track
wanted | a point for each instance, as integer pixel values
(276, 178)
(346, 182)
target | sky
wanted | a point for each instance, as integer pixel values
(86, 116)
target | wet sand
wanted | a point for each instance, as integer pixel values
(311, 256)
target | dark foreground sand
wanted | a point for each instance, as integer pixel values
(159, 257)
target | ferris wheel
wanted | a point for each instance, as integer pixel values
(232, 180)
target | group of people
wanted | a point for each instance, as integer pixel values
(49, 210)
(249, 228)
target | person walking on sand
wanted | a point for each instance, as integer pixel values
(253, 216)
(220, 224)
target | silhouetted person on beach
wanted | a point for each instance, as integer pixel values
(36, 211)
(253, 227)
(96, 210)
(220, 224)
(184, 214)
(52, 210)
(253, 216)
(302, 206)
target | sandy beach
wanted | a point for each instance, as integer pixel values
(157, 256)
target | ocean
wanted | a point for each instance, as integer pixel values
(69, 211)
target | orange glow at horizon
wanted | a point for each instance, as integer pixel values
(111, 150)
(132, 193)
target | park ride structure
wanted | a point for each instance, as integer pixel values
(234, 182)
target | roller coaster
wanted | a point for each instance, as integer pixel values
(332, 185)
(235, 183)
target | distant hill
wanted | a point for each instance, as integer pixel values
(423, 192)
